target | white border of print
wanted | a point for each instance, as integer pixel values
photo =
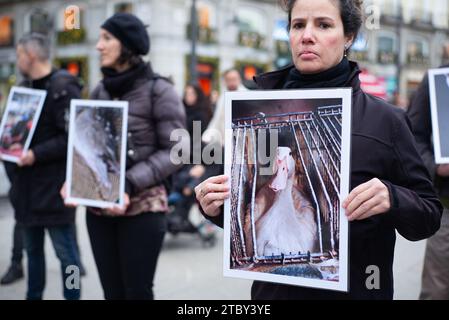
(439, 159)
(340, 93)
(99, 104)
(35, 92)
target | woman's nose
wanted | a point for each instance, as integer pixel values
(308, 34)
(99, 45)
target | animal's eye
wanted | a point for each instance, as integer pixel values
(290, 153)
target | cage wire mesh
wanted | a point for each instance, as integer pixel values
(316, 141)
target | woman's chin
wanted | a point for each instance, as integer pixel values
(309, 67)
(106, 64)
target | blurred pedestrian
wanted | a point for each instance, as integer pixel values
(40, 173)
(435, 275)
(215, 131)
(197, 108)
(126, 241)
(391, 189)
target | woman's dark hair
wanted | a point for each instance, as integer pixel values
(202, 101)
(350, 12)
(127, 56)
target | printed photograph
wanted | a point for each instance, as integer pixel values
(439, 96)
(96, 153)
(19, 122)
(287, 153)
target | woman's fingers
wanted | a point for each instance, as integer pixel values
(366, 200)
(213, 184)
(364, 208)
(214, 196)
(374, 211)
(356, 192)
(211, 194)
(119, 210)
(214, 207)
(63, 194)
(63, 191)
(359, 200)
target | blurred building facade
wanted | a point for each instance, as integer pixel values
(244, 34)
(401, 40)
(400, 37)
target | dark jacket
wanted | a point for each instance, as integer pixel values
(382, 147)
(35, 190)
(155, 110)
(420, 118)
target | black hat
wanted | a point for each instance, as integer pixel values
(131, 32)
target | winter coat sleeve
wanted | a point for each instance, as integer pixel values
(415, 208)
(56, 147)
(420, 119)
(218, 220)
(168, 114)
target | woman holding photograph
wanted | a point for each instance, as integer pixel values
(391, 188)
(126, 241)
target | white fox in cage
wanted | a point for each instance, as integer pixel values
(284, 218)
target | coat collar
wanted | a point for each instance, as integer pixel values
(276, 79)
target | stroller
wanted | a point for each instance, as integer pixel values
(182, 199)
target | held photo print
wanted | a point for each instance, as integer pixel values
(19, 121)
(287, 155)
(439, 97)
(96, 160)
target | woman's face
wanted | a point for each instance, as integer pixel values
(190, 96)
(317, 36)
(109, 48)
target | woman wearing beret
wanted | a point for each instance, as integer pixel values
(126, 241)
(391, 188)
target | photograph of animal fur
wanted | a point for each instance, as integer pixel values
(96, 153)
(19, 122)
(287, 156)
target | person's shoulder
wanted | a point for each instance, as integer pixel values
(61, 79)
(382, 114)
(379, 105)
(161, 86)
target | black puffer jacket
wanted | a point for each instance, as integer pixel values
(382, 147)
(35, 190)
(420, 118)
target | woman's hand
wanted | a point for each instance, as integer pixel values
(118, 210)
(27, 159)
(443, 170)
(211, 194)
(368, 199)
(63, 193)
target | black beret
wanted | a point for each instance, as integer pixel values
(131, 32)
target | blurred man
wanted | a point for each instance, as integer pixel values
(435, 277)
(215, 131)
(40, 173)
